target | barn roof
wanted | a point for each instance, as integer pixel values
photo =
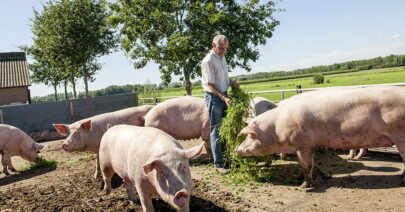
(13, 70)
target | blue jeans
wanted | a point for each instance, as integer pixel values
(216, 110)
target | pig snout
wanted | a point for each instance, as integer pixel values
(181, 199)
(65, 147)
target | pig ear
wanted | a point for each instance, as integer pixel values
(248, 131)
(194, 152)
(150, 165)
(86, 125)
(61, 128)
(41, 146)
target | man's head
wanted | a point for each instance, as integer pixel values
(220, 44)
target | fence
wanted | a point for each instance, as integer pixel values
(156, 100)
(33, 117)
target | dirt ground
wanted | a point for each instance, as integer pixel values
(370, 184)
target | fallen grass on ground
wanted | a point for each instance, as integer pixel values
(41, 163)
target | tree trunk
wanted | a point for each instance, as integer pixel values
(74, 89)
(73, 81)
(66, 94)
(187, 81)
(55, 87)
(86, 86)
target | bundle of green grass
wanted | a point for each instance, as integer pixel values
(243, 169)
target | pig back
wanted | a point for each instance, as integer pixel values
(343, 118)
(127, 148)
(12, 135)
(182, 118)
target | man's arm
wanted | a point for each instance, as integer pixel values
(219, 94)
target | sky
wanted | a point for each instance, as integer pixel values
(311, 33)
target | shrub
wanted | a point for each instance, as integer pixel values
(318, 78)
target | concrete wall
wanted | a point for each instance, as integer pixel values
(13, 95)
(33, 117)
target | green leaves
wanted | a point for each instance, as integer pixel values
(68, 37)
(243, 168)
(178, 34)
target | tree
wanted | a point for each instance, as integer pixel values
(178, 34)
(70, 35)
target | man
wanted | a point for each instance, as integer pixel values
(215, 82)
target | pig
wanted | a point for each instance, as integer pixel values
(350, 118)
(352, 154)
(261, 105)
(15, 142)
(85, 135)
(152, 161)
(183, 118)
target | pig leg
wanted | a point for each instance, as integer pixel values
(10, 166)
(107, 173)
(283, 156)
(145, 198)
(306, 161)
(4, 161)
(351, 154)
(205, 134)
(269, 159)
(130, 190)
(362, 152)
(97, 173)
(401, 150)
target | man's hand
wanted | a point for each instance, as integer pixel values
(234, 84)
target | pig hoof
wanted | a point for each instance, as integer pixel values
(306, 185)
(13, 169)
(6, 173)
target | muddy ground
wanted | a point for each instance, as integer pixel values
(370, 184)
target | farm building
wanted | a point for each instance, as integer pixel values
(14, 78)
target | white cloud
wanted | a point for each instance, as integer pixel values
(396, 36)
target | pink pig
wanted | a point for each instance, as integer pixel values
(151, 160)
(85, 135)
(15, 142)
(183, 118)
(337, 118)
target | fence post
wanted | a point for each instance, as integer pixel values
(282, 95)
(299, 89)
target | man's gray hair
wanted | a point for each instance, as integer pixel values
(220, 39)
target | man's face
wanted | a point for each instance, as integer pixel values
(220, 49)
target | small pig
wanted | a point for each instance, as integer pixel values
(337, 118)
(151, 160)
(183, 118)
(15, 142)
(261, 105)
(85, 135)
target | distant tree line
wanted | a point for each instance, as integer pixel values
(148, 89)
(358, 65)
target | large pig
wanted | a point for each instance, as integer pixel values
(183, 118)
(350, 118)
(261, 105)
(15, 142)
(85, 135)
(151, 160)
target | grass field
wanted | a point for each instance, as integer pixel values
(368, 77)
